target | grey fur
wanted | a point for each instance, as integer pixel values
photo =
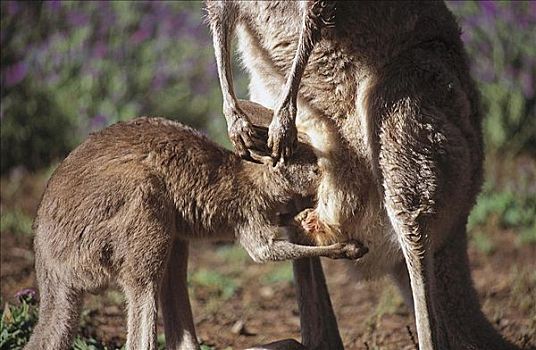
(393, 114)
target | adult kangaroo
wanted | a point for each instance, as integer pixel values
(389, 105)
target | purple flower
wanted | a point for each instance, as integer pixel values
(98, 121)
(26, 294)
(52, 78)
(77, 19)
(467, 37)
(53, 5)
(200, 33)
(532, 10)
(15, 73)
(199, 86)
(484, 73)
(527, 84)
(99, 50)
(211, 70)
(489, 7)
(13, 7)
(185, 66)
(159, 81)
(179, 21)
(161, 9)
(103, 6)
(139, 36)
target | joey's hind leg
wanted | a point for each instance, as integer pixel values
(149, 244)
(46, 308)
(59, 314)
(175, 303)
(142, 315)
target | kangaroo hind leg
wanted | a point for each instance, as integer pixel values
(59, 314)
(142, 316)
(175, 303)
(415, 172)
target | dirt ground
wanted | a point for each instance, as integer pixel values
(237, 303)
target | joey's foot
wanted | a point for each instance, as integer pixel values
(315, 229)
(349, 250)
(309, 221)
(282, 134)
(244, 135)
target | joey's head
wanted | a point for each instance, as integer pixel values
(301, 173)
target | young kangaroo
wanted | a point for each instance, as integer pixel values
(388, 102)
(123, 206)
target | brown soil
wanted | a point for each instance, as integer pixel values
(370, 315)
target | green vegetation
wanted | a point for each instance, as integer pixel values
(505, 210)
(218, 286)
(16, 221)
(84, 65)
(507, 202)
(18, 320)
(17, 323)
(281, 272)
(233, 254)
(504, 66)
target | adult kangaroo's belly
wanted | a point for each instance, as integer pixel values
(331, 111)
(356, 196)
(372, 227)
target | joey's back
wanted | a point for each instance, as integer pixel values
(98, 191)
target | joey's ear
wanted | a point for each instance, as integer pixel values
(257, 114)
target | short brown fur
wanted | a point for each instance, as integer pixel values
(123, 206)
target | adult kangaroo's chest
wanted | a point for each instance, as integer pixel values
(366, 37)
(268, 39)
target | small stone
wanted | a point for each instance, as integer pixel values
(240, 328)
(266, 292)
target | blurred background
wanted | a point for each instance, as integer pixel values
(69, 68)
